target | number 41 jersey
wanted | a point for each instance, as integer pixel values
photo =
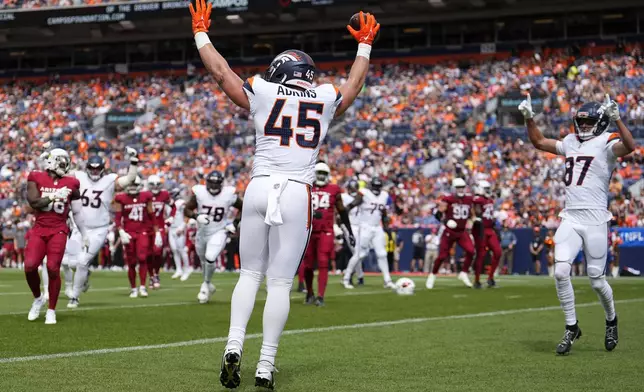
(589, 166)
(216, 207)
(96, 197)
(290, 124)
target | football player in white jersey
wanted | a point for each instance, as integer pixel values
(97, 192)
(591, 155)
(209, 204)
(177, 238)
(371, 235)
(347, 198)
(291, 118)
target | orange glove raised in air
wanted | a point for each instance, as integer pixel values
(200, 17)
(368, 29)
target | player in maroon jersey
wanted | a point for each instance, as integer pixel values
(50, 194)
(456, 209)
(325, 198)
(191, 237)
(160, 199)
(134, 220)
(485, 237)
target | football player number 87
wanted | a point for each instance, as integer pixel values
(285, 131)
(570, 167)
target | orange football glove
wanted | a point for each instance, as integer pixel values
(368, 29)
(200, 17)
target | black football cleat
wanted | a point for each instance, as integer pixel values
(491, 284)
(477, 285)
(573, 332)
(610, 341)
(301, 288)
(230, 369)
(360, 281)
(319, 301)
(310, 300)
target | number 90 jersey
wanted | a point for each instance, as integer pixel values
(53, 218)
(372, 207)
(96, 197)
(459, 209)
(589, 166)
(290, 124)
(216, 207)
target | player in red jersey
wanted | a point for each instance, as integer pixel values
(485, 237)
(134, 220)
(160, 200)
(191, 238)
(50, 194)
(457, 210)
(326, 198)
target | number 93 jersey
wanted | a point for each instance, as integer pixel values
(290, 124)
(96, 197)
(372, 207)
(216, 207)
(588, 169)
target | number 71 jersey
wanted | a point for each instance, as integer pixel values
(589, 167)
(96, 197)
(290, 124)
(215, 206)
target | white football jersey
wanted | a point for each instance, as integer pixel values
(178, 221)
(216, 207)
(290, 125)
(96, 197)
(588, 169)
(354, 213)
(372, 207)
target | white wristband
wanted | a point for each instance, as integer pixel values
(364, 50)
(201, 39)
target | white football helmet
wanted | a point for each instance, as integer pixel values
(135, 186)
(58, 161)
(322, 172)
(154, 184)
(459, 186)
(483, 188)
(405, 286)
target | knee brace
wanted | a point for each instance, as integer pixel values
(562, 270)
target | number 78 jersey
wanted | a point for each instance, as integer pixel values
(215, 206)
(589, 167)
(290, 124)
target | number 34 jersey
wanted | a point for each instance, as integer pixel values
(216, 207)
(588, 169)
(290, 124)
(96, 197)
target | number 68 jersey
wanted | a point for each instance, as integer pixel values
(215, 206)
(96, 197)
(589, 167)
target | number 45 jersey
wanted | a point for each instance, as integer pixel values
(216, 207)
(290, 124)
(589, 167)
(96, 197)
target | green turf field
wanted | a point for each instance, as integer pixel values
(369, 339)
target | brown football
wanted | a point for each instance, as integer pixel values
(355, 23)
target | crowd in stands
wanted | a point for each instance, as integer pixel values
(415, 126)
(35, 4)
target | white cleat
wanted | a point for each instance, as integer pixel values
(390, 285)
(462, 276)
(73, 303)
(264, 377)
(347, 284)
(69, 292)
(143, 292)
(186, 274)
(50, 316)
(34, 312)
(431, 279)
(177, 274)
(206, 291)
(134, 293)
(156, 285)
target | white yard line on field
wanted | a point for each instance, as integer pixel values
(220, 339)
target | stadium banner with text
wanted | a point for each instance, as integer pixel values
(631, 236)
(119, 12)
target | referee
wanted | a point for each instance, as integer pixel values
(391, 250)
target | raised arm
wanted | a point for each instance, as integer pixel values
(132, 171)
(534, 134)
(627, 144)
(365, 36)
(216, 65)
